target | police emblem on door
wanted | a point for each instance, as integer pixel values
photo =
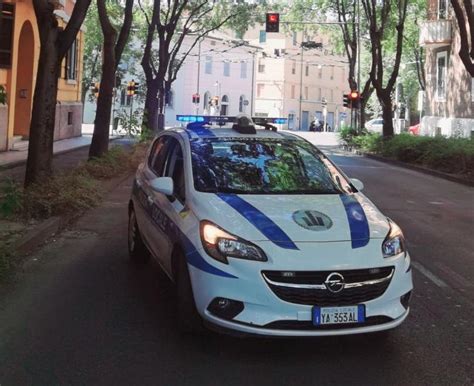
(312, 220)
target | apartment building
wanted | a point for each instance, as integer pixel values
(19, 53)
(301, 83)
(219, 68)
(449, 96)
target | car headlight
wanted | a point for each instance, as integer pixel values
(394, 243)
(220, 245)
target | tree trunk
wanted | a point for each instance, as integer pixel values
(100, 138)
(40, 149)
(386, 102)
(161, 109)
(150, 114)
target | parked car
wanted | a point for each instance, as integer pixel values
(263, 234)
(414, 130)
(375, 125)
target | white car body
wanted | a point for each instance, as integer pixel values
(268, 221)
(375, 125)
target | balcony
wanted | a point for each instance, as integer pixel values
(436, 33)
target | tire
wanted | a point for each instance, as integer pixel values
(137, 250)
(189, 320)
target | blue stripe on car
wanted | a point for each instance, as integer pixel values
(199, 129)
(358, 224)
(264, 224)
(165, 224)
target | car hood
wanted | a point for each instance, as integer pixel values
(286, 219)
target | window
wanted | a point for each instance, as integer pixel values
(206, 100)
(158, 153)
(71, 62)
(169, 98)
(441, 70)
(307, 70)
(262, 166)
(260, 88)
(208, 65)
(443, 9)
(472, 89)
(175, 170)
(295, 38)
(293, 68)
(320, 72)
(320, 94)
(69, 118)
(225, 105)
(226, 68)
(292, 91)
(263, 37)
(7, 21)
(242, 103)
(261, 66)
(125, 100)
(243, 70)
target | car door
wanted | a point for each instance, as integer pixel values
(172, 206)
(154, 229)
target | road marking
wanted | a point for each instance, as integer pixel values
(361, 166)
(454, 276)
(436, 203)
(430, 275)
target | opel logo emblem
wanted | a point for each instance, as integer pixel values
(335, 282)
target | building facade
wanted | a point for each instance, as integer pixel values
(299, 83)
(218, 69)
(19, 53)
(449, 96)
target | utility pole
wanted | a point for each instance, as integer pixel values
(252, 98)
(359, 49)
(198, 75)
(301, 82)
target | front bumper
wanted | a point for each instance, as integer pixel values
(264, 313)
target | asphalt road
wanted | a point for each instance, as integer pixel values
(81, 314)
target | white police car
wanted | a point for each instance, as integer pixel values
(263, 234)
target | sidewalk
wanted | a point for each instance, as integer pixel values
(12, 158)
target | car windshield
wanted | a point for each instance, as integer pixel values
(263, 166)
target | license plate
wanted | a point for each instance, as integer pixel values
(338, 315)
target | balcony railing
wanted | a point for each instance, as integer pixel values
(436, 33)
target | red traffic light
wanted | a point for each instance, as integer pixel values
(354, 95)
(272, 22)
(273, 18)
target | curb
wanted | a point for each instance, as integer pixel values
(54, 225)
(14, 164)
(43, 231)
(421, 169)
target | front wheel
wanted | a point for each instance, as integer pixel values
(137, 250)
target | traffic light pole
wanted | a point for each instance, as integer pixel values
(301, 83)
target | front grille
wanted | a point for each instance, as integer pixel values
(373, 283)
(308, 325)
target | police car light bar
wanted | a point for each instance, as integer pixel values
(206, 119)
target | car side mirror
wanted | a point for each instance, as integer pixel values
(358, 184)
(163, 185)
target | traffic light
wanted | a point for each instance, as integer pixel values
(355, 98)
(95, 88)
(196, 98)
(132, 88)
(346, 100)
(272, 23)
